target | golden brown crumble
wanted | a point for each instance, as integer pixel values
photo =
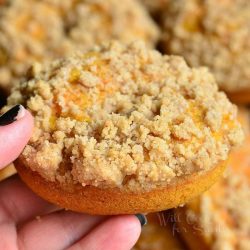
(32, 30)
(212, 33)
(222, 213)
(124, 116)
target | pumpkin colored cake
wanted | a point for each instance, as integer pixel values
(40, 31)
(215, 34)
(219, 219)
(159, 234)
(123, 129)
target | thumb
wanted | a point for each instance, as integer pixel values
(15, 130)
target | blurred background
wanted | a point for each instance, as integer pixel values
(210, 33)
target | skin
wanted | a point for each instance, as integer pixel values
(28, 222)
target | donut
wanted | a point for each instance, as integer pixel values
(123, 129)
(40, 31)
(219, 218)
(7, 172)
(159, 233)
(215, 34)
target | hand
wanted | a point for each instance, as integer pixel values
(28, 222)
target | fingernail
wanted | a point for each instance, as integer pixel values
(142, 218)
(12, 115)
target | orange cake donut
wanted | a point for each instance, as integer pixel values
(159, 234)
(7, 172)
(39, 31)
(219, 219)
(122, 129)
(215, 34)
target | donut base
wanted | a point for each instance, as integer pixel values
(112, 201)
(240, 97)
(7, 172)
(190, 232)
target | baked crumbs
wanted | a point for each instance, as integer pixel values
(125, 116)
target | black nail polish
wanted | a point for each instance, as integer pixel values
(142, 218)
(11, 115)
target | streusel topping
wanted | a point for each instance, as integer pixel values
(222, 213)
(39, 31)
(212, 33)
(125, 115)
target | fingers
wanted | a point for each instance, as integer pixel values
(56, 231)
(19, 204)
(120, 232)
(15, 130)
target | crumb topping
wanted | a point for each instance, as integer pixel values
(39, 31)
(121, 115)
(211, 33)
(222, 213)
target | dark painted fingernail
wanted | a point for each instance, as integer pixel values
(12, 115)
(142, 218)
